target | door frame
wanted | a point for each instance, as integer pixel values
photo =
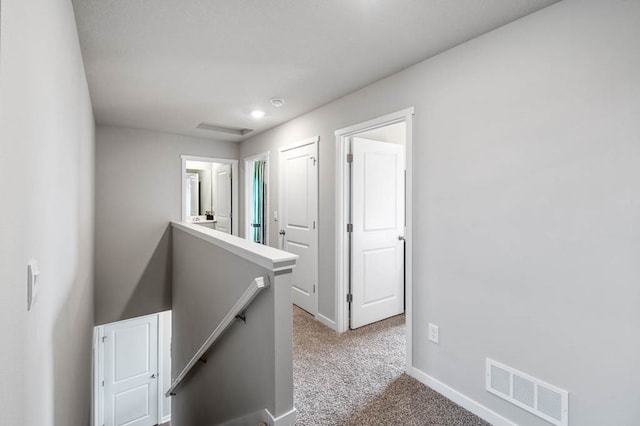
(97, 405)
(234, 186)
(310, 141)
(248, 193)
(342, 191)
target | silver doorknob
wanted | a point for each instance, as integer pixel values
(153, 376)
(401, 237)
(282, 232)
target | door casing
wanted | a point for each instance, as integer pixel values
(97, 390)
(342, 190)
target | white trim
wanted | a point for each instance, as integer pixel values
(248, 193)
(408, 253)
(342, 191)
(309, 141)
(374, 123)
(461, 399)
(326, 321)
(98, 377)
(265, 256)
(298, 144)
(235, 213)
(287, 419)
(161, 377)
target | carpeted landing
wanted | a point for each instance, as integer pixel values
(357, 378)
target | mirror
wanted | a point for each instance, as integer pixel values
(208, 192)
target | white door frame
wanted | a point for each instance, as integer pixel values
(248, 194)
(235, 214)
(97, 419)
(314, 140)
(342, 216)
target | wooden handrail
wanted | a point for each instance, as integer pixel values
(247, 297)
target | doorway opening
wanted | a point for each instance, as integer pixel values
(256, 171)
(132, 371)
(209, 192)
(373, 222)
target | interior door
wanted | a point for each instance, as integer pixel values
(298, 217)
(130, 372)
(223, 198)
(377, 208)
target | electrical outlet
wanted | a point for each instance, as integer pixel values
(434, 332)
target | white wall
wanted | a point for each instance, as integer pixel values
(47, 214)
(526, 184)
(133, 208)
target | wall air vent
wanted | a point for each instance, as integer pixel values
(222, 129)
(542, 399)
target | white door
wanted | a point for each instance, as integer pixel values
(223, 198)
(298, 219)
(377, 274)
(131, 372)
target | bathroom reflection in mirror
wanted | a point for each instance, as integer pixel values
(209, 192)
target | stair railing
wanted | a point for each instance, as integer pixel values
(258, 284)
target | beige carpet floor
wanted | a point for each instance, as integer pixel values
(357, 378)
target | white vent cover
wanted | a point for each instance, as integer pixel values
(542, 399)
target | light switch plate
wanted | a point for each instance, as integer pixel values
(32, 284)
(434, 333)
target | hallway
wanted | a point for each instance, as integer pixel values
(357, 378)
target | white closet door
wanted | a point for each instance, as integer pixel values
(298, 207)
(131, 372)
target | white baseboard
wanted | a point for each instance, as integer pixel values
(326, 321)
(287, 419)
(460, 399)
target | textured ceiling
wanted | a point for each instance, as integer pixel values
(169, 65)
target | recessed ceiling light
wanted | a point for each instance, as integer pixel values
(277, 102)
(257, 113)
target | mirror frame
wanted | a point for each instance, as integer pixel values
(234, 186)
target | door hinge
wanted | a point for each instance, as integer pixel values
(349, 298)
(349, 227)
(349, 158)
(103, 383)
(314, 224)
(314, 288)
